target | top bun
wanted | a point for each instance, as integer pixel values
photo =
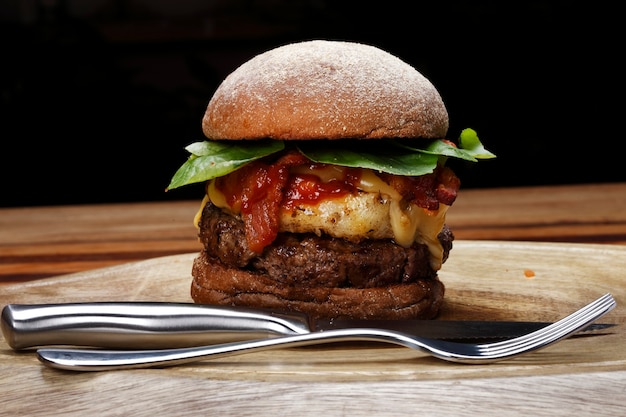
(325, 90)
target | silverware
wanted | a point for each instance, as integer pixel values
(154, 325)
(95, 360)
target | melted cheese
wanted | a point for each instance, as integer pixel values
(196, 218)
(376, 212)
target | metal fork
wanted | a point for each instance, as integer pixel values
(101, 360)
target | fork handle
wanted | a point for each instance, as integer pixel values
(107, 360)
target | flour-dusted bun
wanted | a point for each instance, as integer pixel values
(286, 233)
(325, 90)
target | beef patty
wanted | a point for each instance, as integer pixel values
(318, 261)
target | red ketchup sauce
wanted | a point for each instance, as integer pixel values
(261, 190)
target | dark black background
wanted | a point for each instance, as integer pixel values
(99, 98)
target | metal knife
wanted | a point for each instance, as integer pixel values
(159, 325)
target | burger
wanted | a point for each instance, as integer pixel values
(326, 185)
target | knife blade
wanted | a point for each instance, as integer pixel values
(159, 325)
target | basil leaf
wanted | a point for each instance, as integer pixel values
(212, 159)
(470, 143)
(389, 158)
(443, 148)
(470, 148)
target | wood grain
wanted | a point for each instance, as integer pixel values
(39, 242)
(143, 251)
(590, 213)
(485, 280)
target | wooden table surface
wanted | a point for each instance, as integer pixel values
(37, 243)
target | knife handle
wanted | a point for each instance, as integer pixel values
(141, 325)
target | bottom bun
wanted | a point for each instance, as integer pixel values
(215, 283)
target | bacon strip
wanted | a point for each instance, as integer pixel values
(258, 189)
(427, 191)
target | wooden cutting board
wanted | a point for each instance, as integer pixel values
(485, 280)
